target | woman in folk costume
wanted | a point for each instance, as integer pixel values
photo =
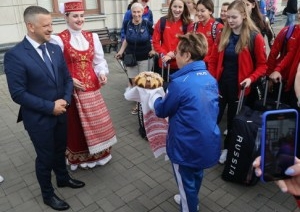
(90, 130)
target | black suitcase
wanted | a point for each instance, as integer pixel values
(244, 145)
(245, 139)
(271, 101)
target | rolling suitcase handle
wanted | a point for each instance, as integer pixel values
(162, 66)
(242, 95)
(149, 59)
(266, 93)
(241, 99)
(168, 71)
(167, 64)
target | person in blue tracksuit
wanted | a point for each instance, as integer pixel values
(147, 16)
(191, 103)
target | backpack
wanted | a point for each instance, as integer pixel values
(213, 29)
(257, 87)
(251, 46)
(163, 21)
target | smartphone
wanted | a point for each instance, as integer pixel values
(278, 143)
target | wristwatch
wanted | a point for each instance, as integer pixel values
(67, 105)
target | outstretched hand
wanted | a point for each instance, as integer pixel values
(291, 185)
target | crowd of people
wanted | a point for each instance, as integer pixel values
(65, 114)
(56, 80)
(236, 56)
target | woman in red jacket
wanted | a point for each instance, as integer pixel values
(234, 62)
(207, 24)
(282, 53)
(281, 61)
(165, 39)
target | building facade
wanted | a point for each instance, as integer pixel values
(99, 14)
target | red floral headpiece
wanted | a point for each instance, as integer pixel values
(73, 6)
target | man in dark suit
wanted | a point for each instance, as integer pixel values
(42, 86)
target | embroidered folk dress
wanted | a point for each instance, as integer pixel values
(90, 130)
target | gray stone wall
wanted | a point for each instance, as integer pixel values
(3, 49)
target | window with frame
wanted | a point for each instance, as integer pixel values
(91, 6)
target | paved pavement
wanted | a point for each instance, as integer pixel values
(133, 181)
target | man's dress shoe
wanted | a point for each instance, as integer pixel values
(56, 203)
(72, 183)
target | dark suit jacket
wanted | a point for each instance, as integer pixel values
(31, 85)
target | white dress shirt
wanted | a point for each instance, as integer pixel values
(79, 42)
(36, 47)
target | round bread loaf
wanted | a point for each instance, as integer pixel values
(149, 80)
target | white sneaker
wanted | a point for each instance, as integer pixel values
(83, 165)
(1, 179)
(73, 167)
(223, 156)
(104, 161)
(91, 165)
(225, 132)
(177, 198)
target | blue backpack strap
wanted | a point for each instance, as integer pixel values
(184, 28)
(163, 21)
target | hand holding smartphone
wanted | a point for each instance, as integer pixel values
(278, 143)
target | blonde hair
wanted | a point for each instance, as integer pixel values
(248, 26)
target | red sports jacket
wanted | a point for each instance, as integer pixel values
(283, 63)
(246, 67)
(170, 41)
(207, 31)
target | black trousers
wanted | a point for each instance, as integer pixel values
(228, 97)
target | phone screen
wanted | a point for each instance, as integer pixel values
(279, 138)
